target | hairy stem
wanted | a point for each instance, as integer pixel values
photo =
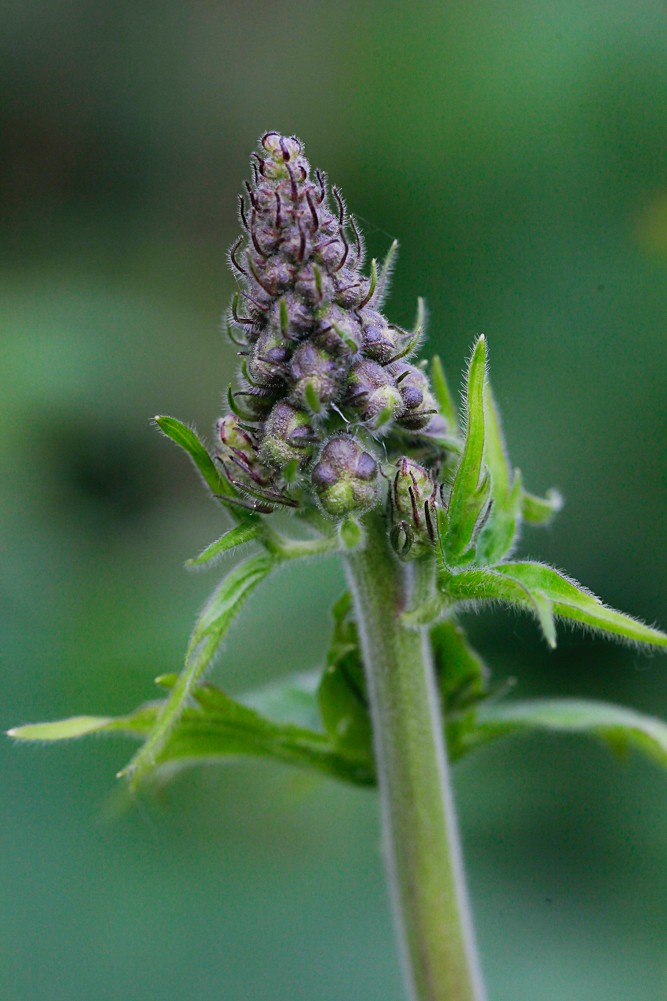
(421, 842)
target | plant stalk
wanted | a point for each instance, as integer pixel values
(421, 840)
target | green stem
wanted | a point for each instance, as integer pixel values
(420, 832)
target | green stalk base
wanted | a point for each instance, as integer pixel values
(421, 842)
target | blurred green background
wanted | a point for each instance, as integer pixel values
(517, 152)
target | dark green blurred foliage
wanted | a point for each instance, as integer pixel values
(517, 153)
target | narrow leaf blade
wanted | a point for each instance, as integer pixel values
(211, 627)
(188, 440)
(278, 721)
(64, 729)
(546, 592)
(501, 529)
(443, 395)
(471, 484)
(237, 536)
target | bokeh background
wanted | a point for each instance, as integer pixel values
(517, 152)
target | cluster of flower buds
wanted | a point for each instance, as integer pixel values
(317, 355)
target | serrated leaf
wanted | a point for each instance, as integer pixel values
(471, 486)
(621, 728)
(212, 625)
(237, 536)
(547, 592)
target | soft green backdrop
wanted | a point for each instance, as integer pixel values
(517, 152)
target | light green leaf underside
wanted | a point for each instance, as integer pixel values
(63, 729)
(278, 722)
(622, 729)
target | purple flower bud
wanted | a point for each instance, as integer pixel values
(312, 338)
(231, 435)
(418, 402)
(314, 285)
(340, 331)
(237, 454)
(345, 477)
(269, 359)
(381, 341)
(373, 393)
(288, 436)
(317, 378)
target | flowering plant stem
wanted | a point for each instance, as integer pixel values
(421, 840)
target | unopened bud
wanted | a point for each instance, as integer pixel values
(270, 354)
(316, 377)
(381, 341)
(419, 404)
(345, 478)
(237, 453)
(412, 500)
(288, 436)
(373, 393)
(340, 331)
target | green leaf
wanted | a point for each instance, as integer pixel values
(237, 536)
(277, 721)
(64, 729)
(471, 487)
(461, 672)
(350, 533)
(443, 395)
(540, 510)
(341, 694)
(212, 625)
(498, 535)
(547, 592)
(188, 440)
(288, 700)
(622, 729)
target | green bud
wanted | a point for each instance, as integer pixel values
(288, 436)
(345, 478)
(412, 501)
